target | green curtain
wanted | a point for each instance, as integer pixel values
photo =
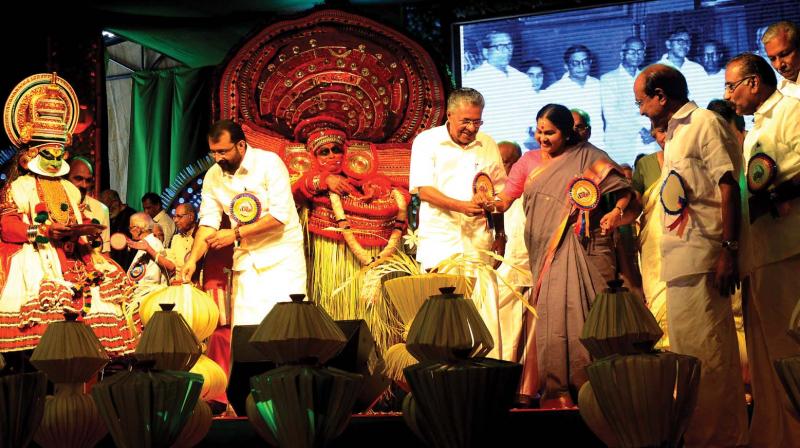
(170, 116)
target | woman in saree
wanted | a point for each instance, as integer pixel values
(573, 201)
(645, 183)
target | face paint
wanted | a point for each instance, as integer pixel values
(51, 159)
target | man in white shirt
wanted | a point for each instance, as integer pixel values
(772, 255)
(627, 132)
(699, 256)
(81, 174)
(151, 204)
(446, 164)
(713, 85)
(678, 44)
(506, 90)
(782, 45)
(576, 89)
(252, 187)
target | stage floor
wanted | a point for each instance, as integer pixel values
(388, 430)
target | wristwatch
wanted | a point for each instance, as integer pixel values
(731, 245)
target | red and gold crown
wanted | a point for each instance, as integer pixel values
(43, 108)
(320, 130)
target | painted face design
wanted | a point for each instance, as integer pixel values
(51, 158)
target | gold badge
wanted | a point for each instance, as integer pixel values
(584, 194)
(245, 208)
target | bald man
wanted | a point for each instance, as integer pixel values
(699, 263)
(185, 218)
(81, 174)
(145, 271)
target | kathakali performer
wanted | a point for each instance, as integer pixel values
(355, 219)
(50, 262)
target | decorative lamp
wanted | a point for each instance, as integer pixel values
(196, 427)
(407, 295)
(147, 408)
(305, 406)
(22, 398)
(168, 341)
(214, 378)
(448, 328)
(619, 323)
(197, 307)
(69, 352)
(298, 332)
(646, 399)
(461, 404)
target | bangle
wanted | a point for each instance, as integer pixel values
(32, 232)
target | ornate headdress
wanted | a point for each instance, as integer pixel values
(319, 131)
(42, 111)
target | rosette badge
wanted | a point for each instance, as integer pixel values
(675, 201)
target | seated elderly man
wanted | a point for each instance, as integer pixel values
(145, 271)
(186, 225)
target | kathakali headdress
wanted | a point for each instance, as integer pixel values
(40, 117)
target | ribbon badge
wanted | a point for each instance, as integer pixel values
(245, 208)
(584, 196)
(761, 172)
(675, 202)
(137, 270)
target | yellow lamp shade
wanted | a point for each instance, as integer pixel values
(168, 340)
(593, 416)
(69, 352)
(70, 419)
(409, 293)
(448, 328)
(214, 379)
(298, 331)
(197, 307)
(197, 426)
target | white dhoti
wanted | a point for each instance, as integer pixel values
(774, 291)
(700, 324)
(257, 290)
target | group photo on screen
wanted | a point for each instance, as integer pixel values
(588, 59)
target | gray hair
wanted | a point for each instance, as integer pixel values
(142, 220)
(464, 95)
(783, 27)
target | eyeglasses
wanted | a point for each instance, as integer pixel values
(634, 52)
(326, 151)
(497, 47)
(638, 103)
(581, 127)
(683, 42)
(731, 86)
(583, 62)
(476, 123)
(221, 152)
